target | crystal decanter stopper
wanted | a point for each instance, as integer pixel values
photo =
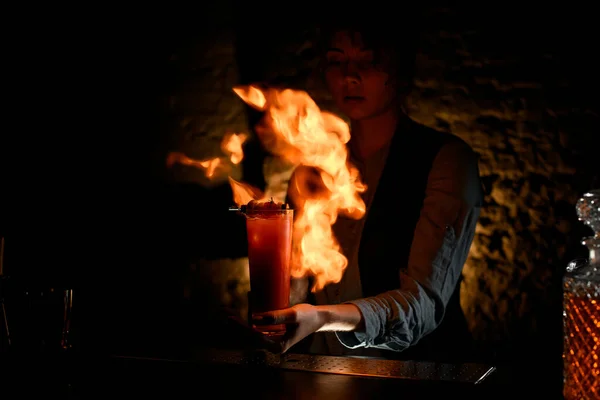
(588, 211)
(581, 310)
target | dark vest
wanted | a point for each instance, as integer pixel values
(389, 230)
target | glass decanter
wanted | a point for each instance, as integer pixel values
(581, 310)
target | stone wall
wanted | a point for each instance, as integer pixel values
(510, 83)
(202, 104)
(505, 90)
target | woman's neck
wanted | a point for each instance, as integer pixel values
(371, 134)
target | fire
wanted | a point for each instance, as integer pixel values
(294, 128)
(324, 184)
(244, 193)
(231, 146)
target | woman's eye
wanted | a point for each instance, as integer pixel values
(366, 62)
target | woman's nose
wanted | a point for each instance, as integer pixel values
(351, 73)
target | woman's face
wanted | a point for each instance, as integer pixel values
(360, 88)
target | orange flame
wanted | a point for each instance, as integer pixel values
(243, 193)
(326, 185)
(231, 146)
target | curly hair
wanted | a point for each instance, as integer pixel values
(392, 38)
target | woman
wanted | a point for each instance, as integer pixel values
(399, 296)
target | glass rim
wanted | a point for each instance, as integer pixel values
(283, 210)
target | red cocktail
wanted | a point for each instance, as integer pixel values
(269, 230)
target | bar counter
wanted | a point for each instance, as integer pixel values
(221, 373)
(171, 354)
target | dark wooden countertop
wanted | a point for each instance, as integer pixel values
(122, 376)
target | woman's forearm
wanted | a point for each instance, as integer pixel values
(341, 317)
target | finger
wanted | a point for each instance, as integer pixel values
(262, 342)
(275, 347)
(285, 316)
(288, 339)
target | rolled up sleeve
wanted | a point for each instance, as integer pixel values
(398, 319)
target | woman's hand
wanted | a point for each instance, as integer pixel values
(305, 319)
(246, 337)
(301, 320)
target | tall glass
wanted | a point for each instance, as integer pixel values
(269, 255)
